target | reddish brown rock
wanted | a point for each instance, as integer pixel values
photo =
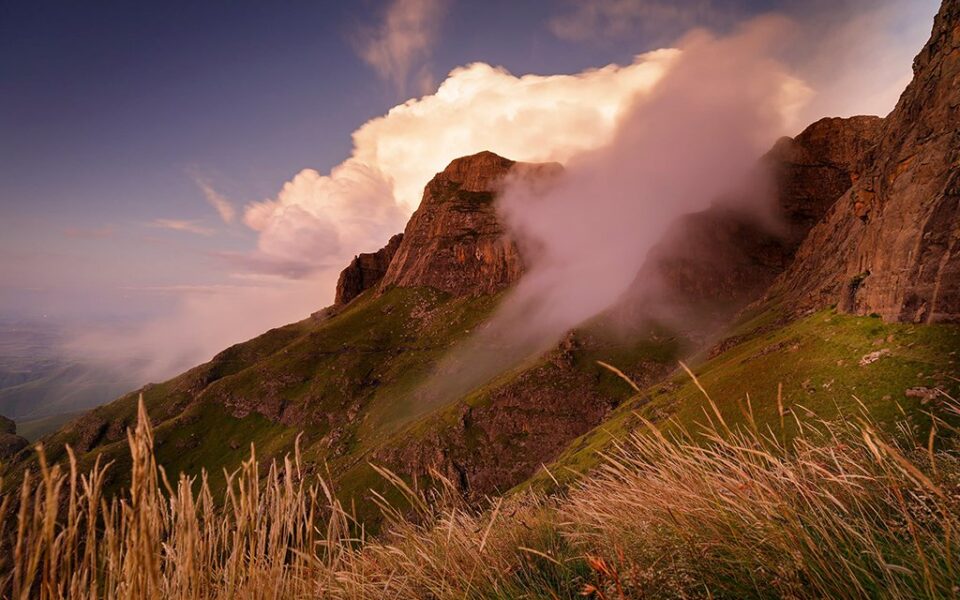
(10, 442)
(889, 244)
(365, 271)
(454, 241)
(724, 257)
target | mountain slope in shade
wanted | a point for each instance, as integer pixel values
(717, 260)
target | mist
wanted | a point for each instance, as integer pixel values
(697, 135)
(642, 144)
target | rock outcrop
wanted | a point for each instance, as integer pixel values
(365, 271)
(10, 442)
(889, 245)
(454, 241)
(727, 256)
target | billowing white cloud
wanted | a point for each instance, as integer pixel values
(323, 220)
(402, 41)
(320, 220)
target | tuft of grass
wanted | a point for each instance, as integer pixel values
(841, 509)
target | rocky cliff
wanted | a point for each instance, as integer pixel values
(365, 271)
(454, 241)
(10, 442)
(889, 244)
(727, 255)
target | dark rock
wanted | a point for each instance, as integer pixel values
(10, 442)
(11, 445)
(7, 425)
(365, 271)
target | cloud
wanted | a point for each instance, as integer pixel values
(182, 225)
(695, 136)
(605, 20)
(319, 221)
(594, 121)
(217, 200)
(201, 321)
(403, 41)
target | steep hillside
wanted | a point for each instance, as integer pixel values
(862, 219)
(350, 377)
(879, 199)
(717, 260)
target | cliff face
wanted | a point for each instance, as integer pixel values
(889, 244)
(725, 256)
(454, 241)
(365, 271)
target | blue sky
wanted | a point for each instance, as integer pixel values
(112, 112)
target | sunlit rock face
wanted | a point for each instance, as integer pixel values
(889, 245)
(454, 242)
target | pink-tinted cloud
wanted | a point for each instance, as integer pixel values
(183, 225)
(218, 201)
(399, 45)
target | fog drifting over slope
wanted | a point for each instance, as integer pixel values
(697, 135)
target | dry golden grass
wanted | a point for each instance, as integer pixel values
(844, 511)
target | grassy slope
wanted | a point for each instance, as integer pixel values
(370, 358)
(34, 429)
(816, 359)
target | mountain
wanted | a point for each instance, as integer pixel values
(728, 255)
(351, 377)
(889, 245)
(839, 294)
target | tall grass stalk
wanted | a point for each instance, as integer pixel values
(842, 511)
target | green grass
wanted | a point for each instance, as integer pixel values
(815, 359)
(34, 429)
(308, 377)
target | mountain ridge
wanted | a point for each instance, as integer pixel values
(350, 377)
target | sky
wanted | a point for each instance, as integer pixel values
(183, 175)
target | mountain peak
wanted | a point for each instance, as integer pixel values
(454, 241)
(480, 172)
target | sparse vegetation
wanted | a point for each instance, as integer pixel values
(840, 509)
